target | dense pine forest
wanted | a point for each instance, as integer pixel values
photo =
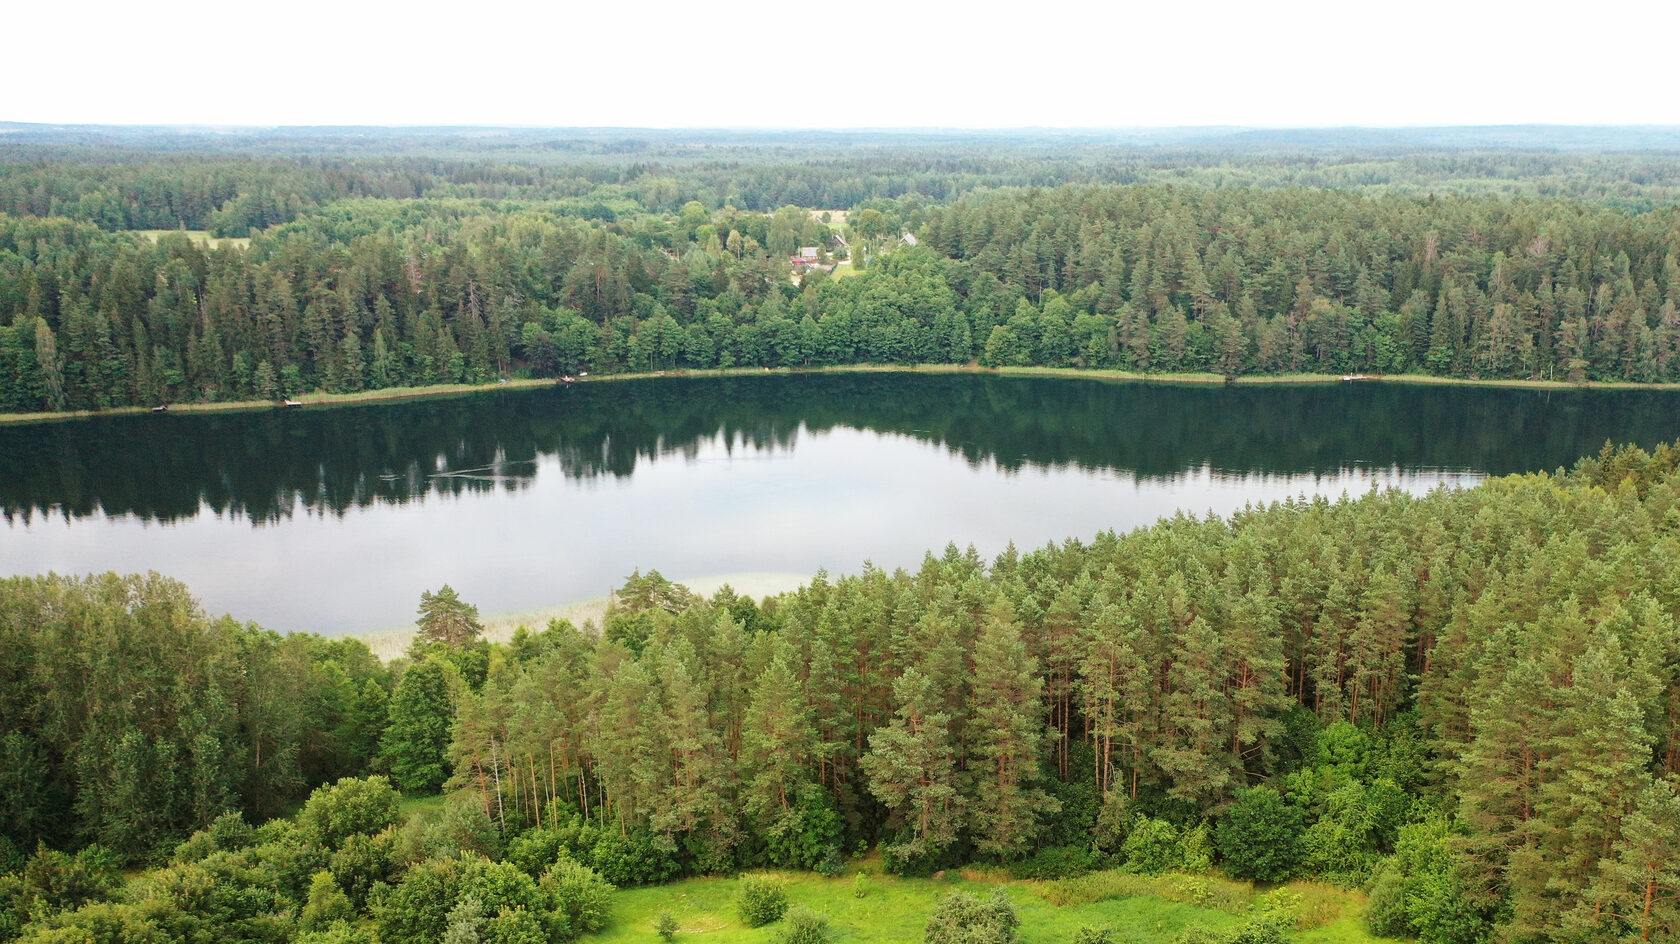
(1463, 702)
(384, 261)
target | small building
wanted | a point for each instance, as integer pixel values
(908, 239)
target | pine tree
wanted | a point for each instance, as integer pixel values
(1008, 736)
(912, 767)
(777, 743)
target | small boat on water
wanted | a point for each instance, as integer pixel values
(289, 402)
(161, 408)
(568, 378)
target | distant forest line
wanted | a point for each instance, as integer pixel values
(399, 259)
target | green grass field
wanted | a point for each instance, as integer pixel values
(1139, 910)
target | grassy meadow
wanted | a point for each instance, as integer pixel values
(1137, 909)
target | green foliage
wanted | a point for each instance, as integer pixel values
(326, 905)
(61, 882)
(339, 933)
(635, 859)
(1259, 836)
(350, 807)
(666, 927)
(1089, 935)
(228, 833)
(580, 895)
(804, 926)
(514, 925)
(446, 618)
(1055, 862)
(417, 911)
(362, 862)
(960, 918)
(1151, 846)
(1421, 890)
(416, 741)
(1195, 850)
(760, 900)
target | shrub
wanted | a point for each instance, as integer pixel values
(960, 918)
(1089, 935)
(1151, 846)
(227, 833)
(362, 862)
(349, 807)
(760, 900)
(631, 860)
(1259, 838)
(327, 904)
(580, 894)
(804, 926)
(514, 926)
(341, 932)
(1195, 850)
(666, 926)
(1055, 862)
(861, 885)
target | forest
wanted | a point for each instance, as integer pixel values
(398, 260)
(1463, 702)
(1464, 705)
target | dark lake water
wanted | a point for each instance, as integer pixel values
(336, 519)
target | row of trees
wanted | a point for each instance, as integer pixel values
(375, 293)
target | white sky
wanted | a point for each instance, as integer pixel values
(842, 63)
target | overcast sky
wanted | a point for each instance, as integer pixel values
(842, 63)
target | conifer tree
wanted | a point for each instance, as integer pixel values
(912, 767)
(1008, 724)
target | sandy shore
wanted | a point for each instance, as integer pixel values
(390, 643)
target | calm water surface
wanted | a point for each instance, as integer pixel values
(336, 519)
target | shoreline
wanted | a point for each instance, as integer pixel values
(438, 391)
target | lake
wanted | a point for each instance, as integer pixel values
(336, 519)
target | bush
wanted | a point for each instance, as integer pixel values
(861, 886)
(631, 860)
(362, 862)
(63, 882)
(341, 932)
(514, 926)
(227, 833)
(1089, 935)
(349, 807)
(666, 926)
(1056, 862)
(808, 836)
(464, 826)
(580, 894)
(1195, 850)
(804, 926)
(1259, 838)
(1151, 846)
(760, 901)
(960, 918)
(327, 904)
